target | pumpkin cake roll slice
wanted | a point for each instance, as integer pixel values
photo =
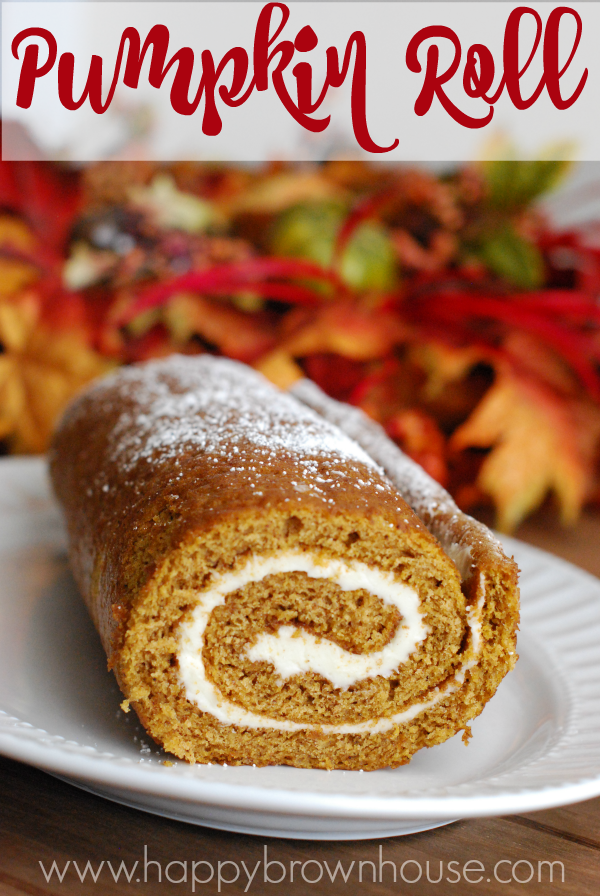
(264, 593)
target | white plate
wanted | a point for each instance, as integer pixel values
(536, 745)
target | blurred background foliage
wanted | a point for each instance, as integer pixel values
(448, 307)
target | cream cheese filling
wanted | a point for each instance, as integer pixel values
(292, 650)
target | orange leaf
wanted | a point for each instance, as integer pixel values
(40, 371)
(237, 334)
(15, 234)
(445, 364)
(540, 442)
(346, 330)
(279, 367)
(420, 437)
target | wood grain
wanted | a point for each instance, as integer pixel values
(45, 820)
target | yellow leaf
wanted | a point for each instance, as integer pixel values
(540, 442)
(14, 232)
(280, 368)
(17, 320)
(40, 371)
(14, 276)
(11, 395)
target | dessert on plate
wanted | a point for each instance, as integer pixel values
(269, 588)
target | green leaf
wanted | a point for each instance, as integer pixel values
(514, 184)
(513, 258)
(310, 231)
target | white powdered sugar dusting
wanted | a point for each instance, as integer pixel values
(225, 409)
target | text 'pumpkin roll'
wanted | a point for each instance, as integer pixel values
(264, 593)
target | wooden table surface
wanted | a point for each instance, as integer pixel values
(43, 820)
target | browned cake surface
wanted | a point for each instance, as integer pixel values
(175, 472)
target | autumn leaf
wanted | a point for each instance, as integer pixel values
(236, 333)
(14, 276)
(348, 330)
(510, 256)
(280, 368)
(539, 361)
(434, 257)
(45, 195)
(541, 442)
(168, 207)
(513, 184)
(445, 364)
(15, 273)
(15, 234)
(275, 192)
(420, 437)
(41, 369)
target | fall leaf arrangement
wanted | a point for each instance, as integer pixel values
(446, 307)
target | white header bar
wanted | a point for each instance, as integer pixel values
(301, 80)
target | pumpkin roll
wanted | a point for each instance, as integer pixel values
(263, 589)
